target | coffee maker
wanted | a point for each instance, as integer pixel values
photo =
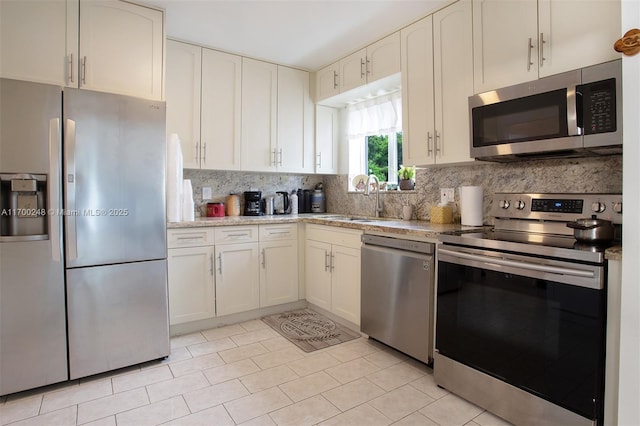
(252, 203)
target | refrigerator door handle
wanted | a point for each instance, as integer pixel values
(54, 188)
(70, 188)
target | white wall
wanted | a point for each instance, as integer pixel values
(629, 388)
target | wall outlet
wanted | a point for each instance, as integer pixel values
(447, 195)
(206, 192)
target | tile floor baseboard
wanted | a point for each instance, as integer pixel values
(247, 374)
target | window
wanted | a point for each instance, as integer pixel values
(375, 138)
(384, 156)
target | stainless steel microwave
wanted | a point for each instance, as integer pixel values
(573, 114)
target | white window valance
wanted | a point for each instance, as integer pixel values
(380, 115)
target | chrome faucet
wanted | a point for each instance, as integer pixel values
(367, 191)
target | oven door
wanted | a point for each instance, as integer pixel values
(536, 324)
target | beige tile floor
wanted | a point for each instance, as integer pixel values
(248, 374)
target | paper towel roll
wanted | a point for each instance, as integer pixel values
(471, 205)
(174, 179)
(188, 209)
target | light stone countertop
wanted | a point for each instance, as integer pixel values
(416, 228)
(419, 228)
(613, 253)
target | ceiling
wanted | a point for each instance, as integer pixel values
(306, 34)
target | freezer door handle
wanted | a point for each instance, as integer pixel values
(54, 188)
(70, 188)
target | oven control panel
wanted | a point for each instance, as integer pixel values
(557, 207)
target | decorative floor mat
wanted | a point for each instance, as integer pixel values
(309, 330)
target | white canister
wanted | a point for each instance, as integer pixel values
(471, 205)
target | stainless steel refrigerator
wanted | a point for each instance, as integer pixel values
(83, 289)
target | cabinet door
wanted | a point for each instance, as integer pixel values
(237, 278)
(453, 77)
(278, 272)
(576, 34)
(328, 82)
(191, 286)
(183, 98)
(295, 121)
(259, 109)
(504, 43)
(221, 110)
(345, 283)
(121, 48)
(318, 273)
(383, 58)
(353, 70)
(417, 93)
(327, 122)
(39, 41)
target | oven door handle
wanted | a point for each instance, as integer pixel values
(522, 265)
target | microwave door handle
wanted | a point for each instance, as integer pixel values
(573, 99)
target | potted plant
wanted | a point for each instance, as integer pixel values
(405, 176)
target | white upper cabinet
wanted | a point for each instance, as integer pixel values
(383, 58)
(353, 70)
(378, 60)
(183, 87)
(328, 81)
(515, 42)
(505, 43)
(576, 34)
(295, 122)
(121, 48)
(259, 115)
(453, 81)
(220, 127)
(104, 45)
(203, 89)
(327, 124)
(437, 79)
(39, 41)
(417, 93)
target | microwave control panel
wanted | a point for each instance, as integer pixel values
(599, 100)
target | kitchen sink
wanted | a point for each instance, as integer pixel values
(347, 218)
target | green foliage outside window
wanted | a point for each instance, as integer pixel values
(378, 155)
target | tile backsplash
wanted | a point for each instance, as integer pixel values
(596, 174)
(223, 183)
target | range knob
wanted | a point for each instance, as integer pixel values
(598, 207)
(504, 204)
(520, 205)
(617, 207)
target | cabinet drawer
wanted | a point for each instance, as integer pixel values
(190, 237)
(334, 235)
(285, 231)
(236, 234)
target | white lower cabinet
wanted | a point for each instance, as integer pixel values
(345, 282)
(190, 266)
(278, 264)
(237, 274)
(230, 269)
(237, 278)
(332, 274)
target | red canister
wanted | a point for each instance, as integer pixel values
(215, 210)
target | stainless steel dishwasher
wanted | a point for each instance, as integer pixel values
(397, 289)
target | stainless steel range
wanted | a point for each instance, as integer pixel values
(521, 310)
